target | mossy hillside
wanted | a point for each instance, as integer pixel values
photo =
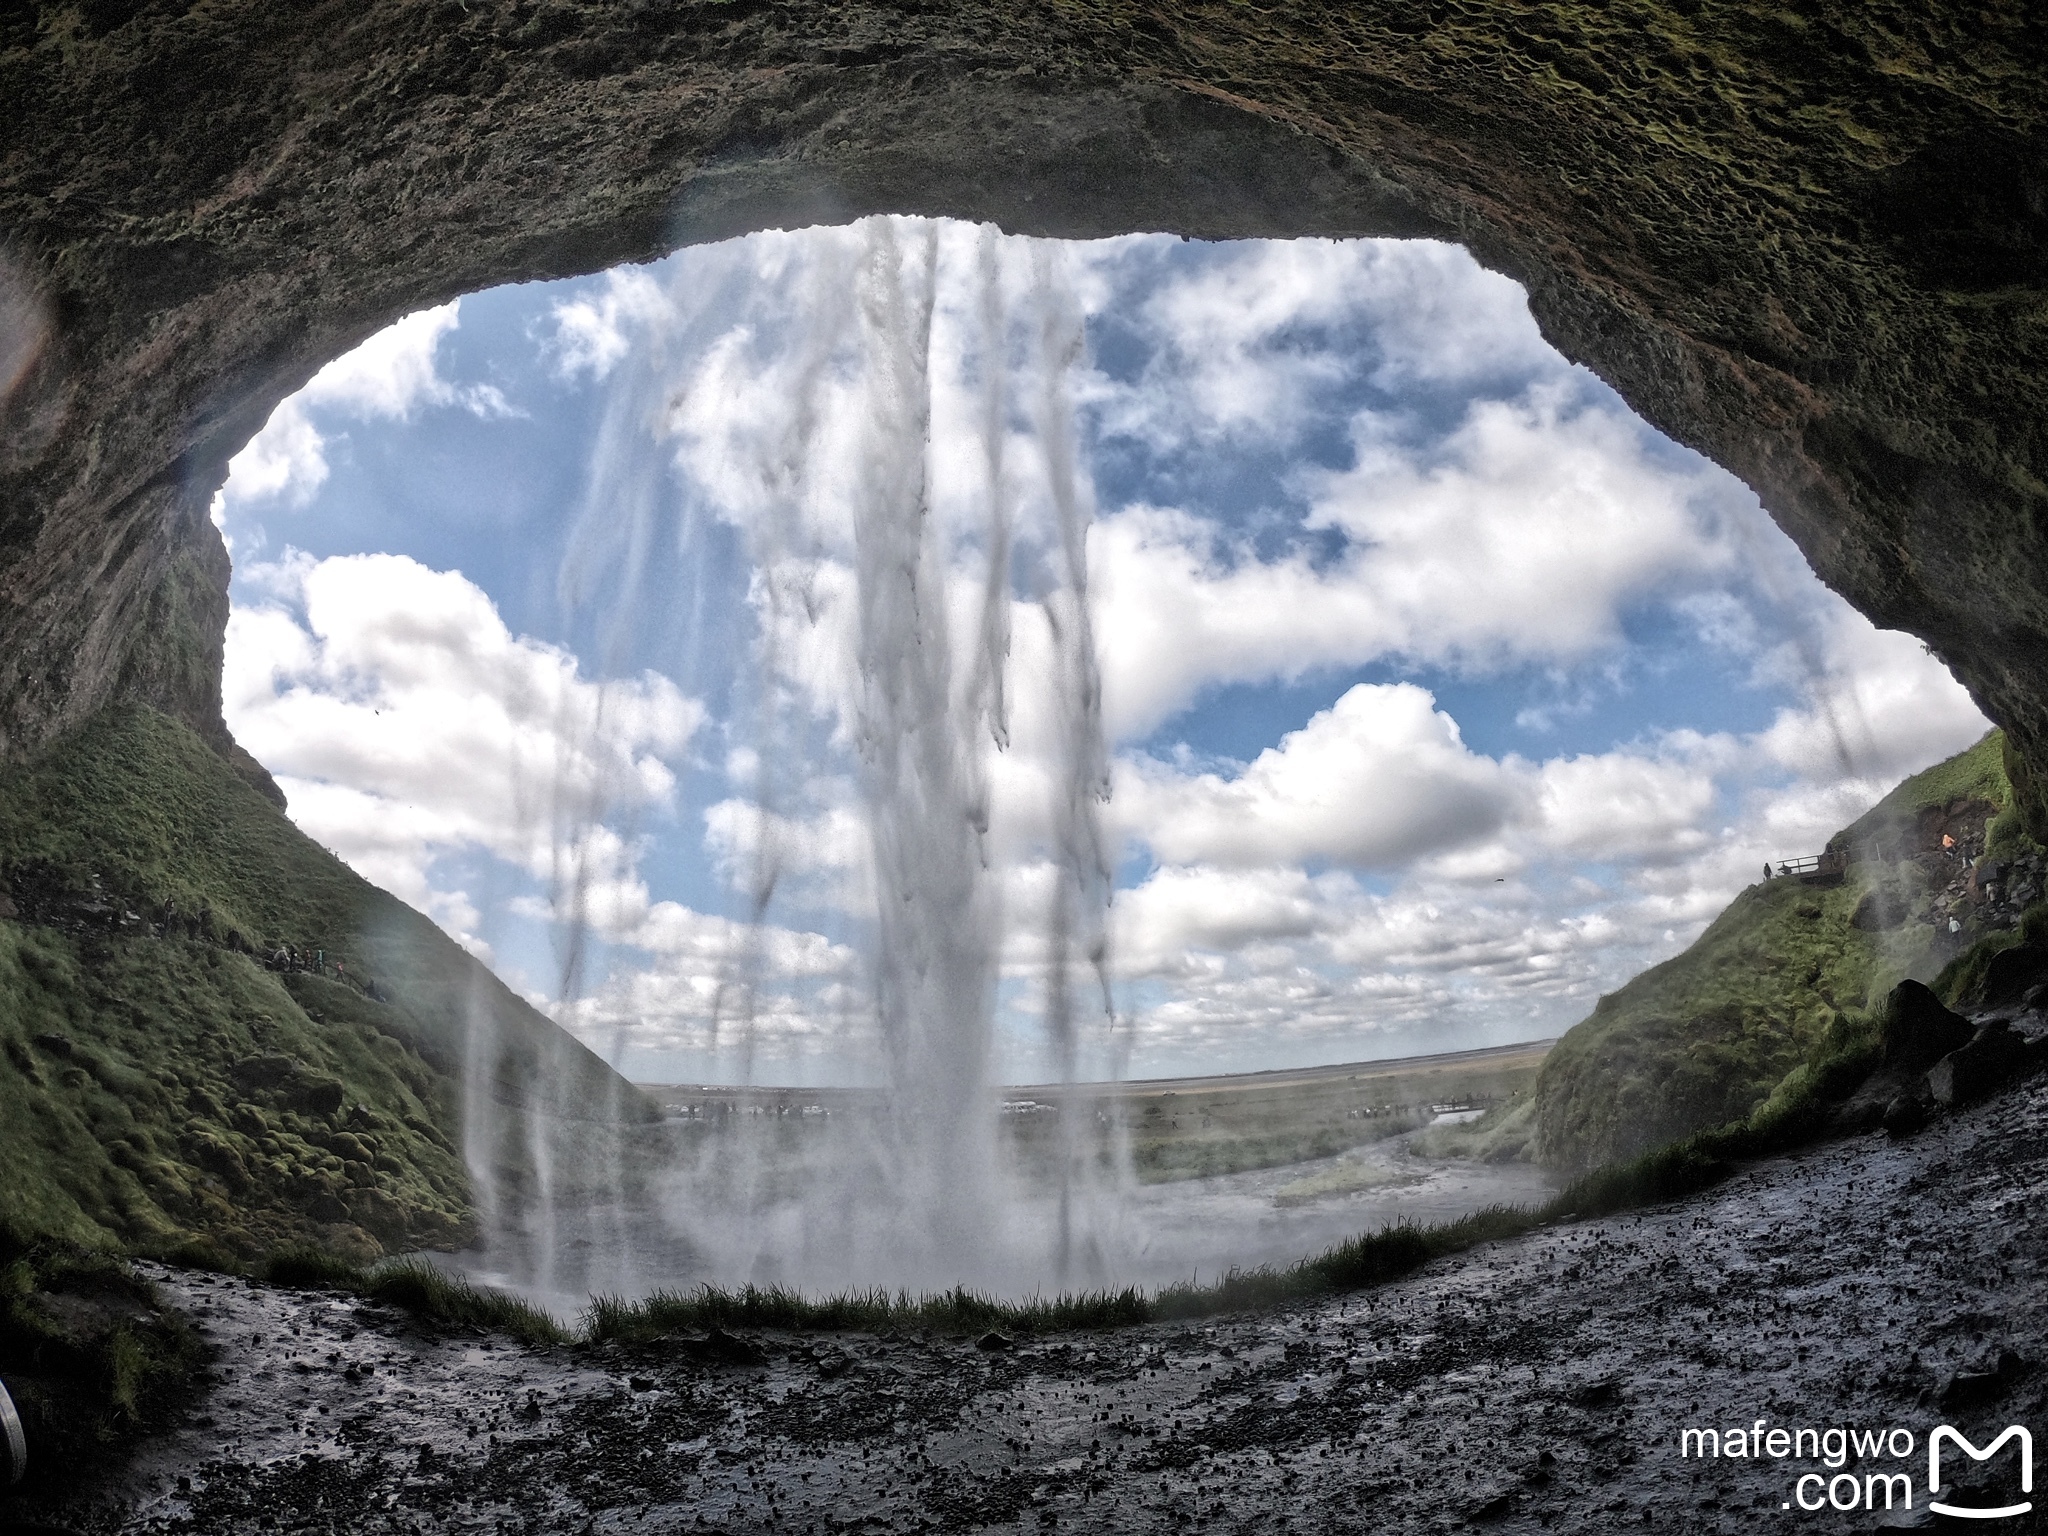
(1698, 1040)
(156, 1090)
(159, 1083)
(1702, 1039)
(1899, 825)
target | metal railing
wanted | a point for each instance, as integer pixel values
(1827, 865)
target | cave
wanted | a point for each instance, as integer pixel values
(1812, 249)
(1812, 246)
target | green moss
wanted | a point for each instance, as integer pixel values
(1976, 776)
(1799, 1109)
(159, 1086)
(1703, 1039)
(90, 1355)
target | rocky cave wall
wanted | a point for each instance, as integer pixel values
(1811, 243)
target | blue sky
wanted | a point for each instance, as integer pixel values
(1439, 694)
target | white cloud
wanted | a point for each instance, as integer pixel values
(1623, 806)
(387, 377)
(1376, 780)
(594, 330)
(1368, 882)
(286, 461)
(405, 722)
(1565, 877)
(1518, 538)
(711, 983)
(1248, 342)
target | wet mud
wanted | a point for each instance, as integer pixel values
(1538, 1384)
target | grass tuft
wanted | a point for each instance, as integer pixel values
(432, 1295)
(307, 1268)
(435, 1296)
(667, 1314)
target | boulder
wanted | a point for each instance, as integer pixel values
(2012, 973)
(327, 1208)
(264, 1071)
(721, 1348)
(1917, 1030)
(1878, 911)
(316, 1094)
(1987, 1384)
(1907, 1112)
(1993, 1058)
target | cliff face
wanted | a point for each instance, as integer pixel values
(1812, 248)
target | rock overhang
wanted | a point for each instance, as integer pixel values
(1810, 249)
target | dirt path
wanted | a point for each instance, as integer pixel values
(1536, 1384)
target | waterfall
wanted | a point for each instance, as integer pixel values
(904, 484)
(921, 779)
(1076, 925)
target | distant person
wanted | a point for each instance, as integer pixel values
(1767, 869)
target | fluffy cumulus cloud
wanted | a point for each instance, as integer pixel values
(407, 724)
(1371, 783)
(1250, 344)
(390, 377)
(1521, 536)
(707, 984)
(1492, 512)
(1509, 891)
(415, 735)
(593, 331)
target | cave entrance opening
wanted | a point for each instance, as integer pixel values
(1437, 692)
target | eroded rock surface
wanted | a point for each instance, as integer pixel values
(1542, 1383)
(1811, 246)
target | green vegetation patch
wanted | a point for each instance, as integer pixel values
(157, 1090)
(415, 1285)
(1702, 1039)
(162, 1084)
(667, 1314)
(89, 1354)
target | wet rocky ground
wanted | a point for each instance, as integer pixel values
(1867, 1285)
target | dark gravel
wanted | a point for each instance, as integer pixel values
(1535, 1384)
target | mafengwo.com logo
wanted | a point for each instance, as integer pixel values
(1872, 1469)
